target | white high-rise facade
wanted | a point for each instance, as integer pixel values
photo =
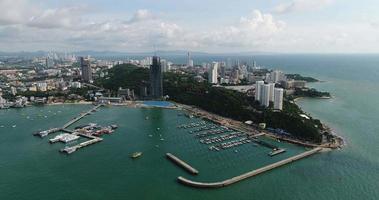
(265, 95)
(271, 92)
(213, 73)
(189, 60)
(278, 99)
(258, 88)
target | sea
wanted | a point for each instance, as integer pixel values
(32, 168)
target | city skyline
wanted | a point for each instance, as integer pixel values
(294, 26)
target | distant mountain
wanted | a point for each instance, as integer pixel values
(120, 54)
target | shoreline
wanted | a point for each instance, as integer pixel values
(338, 141)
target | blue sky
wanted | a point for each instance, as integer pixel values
(288, 26)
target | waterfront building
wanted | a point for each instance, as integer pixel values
(293, 84)
(265, 95)
(258, 88)
(278, 99)
(277, 76)
(156, 85)
(86, 70)
(213, 73)
(125, 94)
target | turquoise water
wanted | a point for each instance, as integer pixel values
(31, 168)
(158, 103)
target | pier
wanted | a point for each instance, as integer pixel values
(64, 127)
(182, 164)
(248, 174)
(81, 116)
(70, 150)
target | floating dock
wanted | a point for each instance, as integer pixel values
(70, 150)
(248, 174)
(182, 164)
(47, 132)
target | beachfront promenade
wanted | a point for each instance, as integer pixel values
(248, 174)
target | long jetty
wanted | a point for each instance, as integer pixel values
(64, 127)
(182, 164)
(248, 174)
(80, 116)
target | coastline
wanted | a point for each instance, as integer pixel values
(338, 141)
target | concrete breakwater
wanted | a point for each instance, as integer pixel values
(182, 164)
(248, 174)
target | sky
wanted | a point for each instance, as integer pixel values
(214, 26)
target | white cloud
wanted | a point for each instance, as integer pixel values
(29, 27)
(141, 15)
(67, 17)
(14, 11)
(301, 6)
(251, 31)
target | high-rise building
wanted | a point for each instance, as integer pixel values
(278, 98)
(271, 92)
(189, 60)
(254, 64)
(213, 73)
(265, 95)
(86, 70)
(276, 76)
(164, 65)
(156, 85)
(222, 70)
(258, 88)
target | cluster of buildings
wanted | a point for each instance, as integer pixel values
(268, 93)
(64, 73)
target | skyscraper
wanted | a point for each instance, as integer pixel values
(271, 92)
(86, 70)
(265, 95)
(213, 73)
(278, 98)
(189, 60)
(156, 86)
(258, 88)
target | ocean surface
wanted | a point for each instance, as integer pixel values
(31, 168)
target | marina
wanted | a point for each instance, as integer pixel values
(89, 131)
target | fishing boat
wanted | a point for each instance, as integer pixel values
(136, 155)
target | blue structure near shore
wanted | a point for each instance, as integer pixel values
(158, 103)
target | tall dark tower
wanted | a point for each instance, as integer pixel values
(86, 70)
(156, 87)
